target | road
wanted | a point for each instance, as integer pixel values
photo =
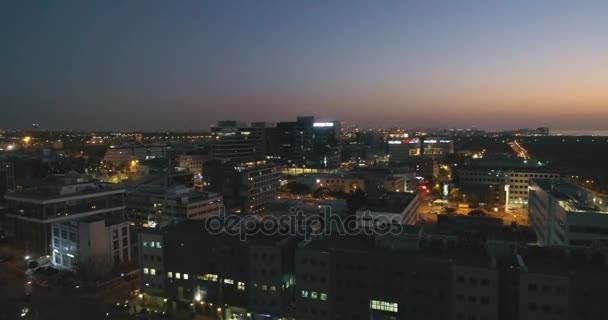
(55, 301)
(520, 151)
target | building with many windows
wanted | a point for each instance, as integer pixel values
(58, 199)
(308, 143)
(92, 239)
(184, 265)
(507, 179)
(157, 204)
(363, 276)
(120, 155)
(564, 214)
(245, 187)
(236, 141)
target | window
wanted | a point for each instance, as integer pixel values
(158, 245)
(146, 271)
(304, 294)
(323, 296)
(185, 276)
(153, 272)
(384, 306)
(145, 244)
(124, 231)
(115, 245)
(114, 234)
(178, 275)
(240, 286)
(273, 288)
(264, 287)
(169, 274)
(228, 281)
(208, 277)
(125, 242)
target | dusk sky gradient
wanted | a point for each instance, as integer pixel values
(186, 64)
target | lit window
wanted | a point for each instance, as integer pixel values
(146, 271)
(145, 243)
(241, 286)
(264, 287)
(209, 277)
(304, 294)
(170, 274)
(178, 275)
(185, 276)
(228, 281)
(324, 296)
(273, 288)
(384, 306)
(153, 272)
(158, 245)
(313, 295)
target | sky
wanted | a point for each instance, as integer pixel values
(147, 64)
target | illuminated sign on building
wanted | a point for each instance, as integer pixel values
(323, 124)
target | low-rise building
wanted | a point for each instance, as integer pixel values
(120, 155)
(399, 208)
(94, 239)
(148, 203)
(58, 199)
(507, 179)
(564, 214)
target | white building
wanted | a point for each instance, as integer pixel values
(76, 241)
(514, 173)
(192, 162)
(563, 214)
(148, 203)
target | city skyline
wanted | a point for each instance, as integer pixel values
(185, 65)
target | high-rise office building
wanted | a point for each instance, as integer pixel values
(245, 187)
(236, 141)
(310, 143)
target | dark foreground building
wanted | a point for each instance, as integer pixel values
(409, 275)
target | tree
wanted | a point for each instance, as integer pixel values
(321, 193)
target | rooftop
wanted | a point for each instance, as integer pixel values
(507, 164)
(571, 197)
(173, 192)
(390, 202)
(63, 187)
